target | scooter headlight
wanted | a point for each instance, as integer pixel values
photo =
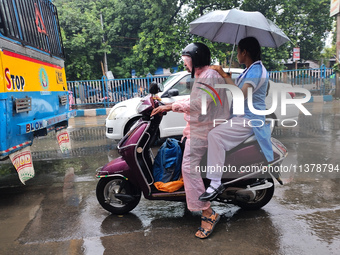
(114, 113)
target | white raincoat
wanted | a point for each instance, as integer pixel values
(197, 129)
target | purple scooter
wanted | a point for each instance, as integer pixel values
(248, 184)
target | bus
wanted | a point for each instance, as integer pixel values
(33, 88)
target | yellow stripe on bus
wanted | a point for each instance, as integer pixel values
(25, 74)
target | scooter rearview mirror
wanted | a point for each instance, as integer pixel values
(154, 88)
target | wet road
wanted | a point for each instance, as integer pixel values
(57, 211)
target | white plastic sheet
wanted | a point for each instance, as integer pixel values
(64, 141)
(22, 161)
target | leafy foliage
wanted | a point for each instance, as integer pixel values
(146, 34)
(305, 22)
(82, 36)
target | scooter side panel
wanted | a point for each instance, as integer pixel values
(132, 137)
(243, 161)
(246, 156)
(127, 148)
(252, 155)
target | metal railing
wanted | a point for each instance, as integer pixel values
(318, 81)
(106, 93)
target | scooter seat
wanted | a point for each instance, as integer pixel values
(250, 139)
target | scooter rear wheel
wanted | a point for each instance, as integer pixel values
(261, 199)
(108, 187)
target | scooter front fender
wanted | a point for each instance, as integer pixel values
(115, 167)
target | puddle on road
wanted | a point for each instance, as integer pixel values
(302, 218)
(324, 224)
(90, 150)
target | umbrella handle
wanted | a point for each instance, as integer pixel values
(231, 58)
(232, 53)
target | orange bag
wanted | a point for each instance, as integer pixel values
(169, 186)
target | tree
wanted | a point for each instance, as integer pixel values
(122, 25)
(305, 22)
(328, 53)
(160, 37)
(147, 34)
(307, 25)
(166, 32)
(82, 37)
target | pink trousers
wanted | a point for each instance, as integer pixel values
(224, 138)
(193, 183)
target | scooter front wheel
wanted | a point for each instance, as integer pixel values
(117, 195)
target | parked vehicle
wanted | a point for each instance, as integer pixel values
(124, 179)
(124, 114)
(33, 93)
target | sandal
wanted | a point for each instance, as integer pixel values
(212, 220)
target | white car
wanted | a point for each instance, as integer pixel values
(124, 114)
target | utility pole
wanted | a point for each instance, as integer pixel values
(105, 58)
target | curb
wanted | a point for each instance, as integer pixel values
(321, 99)
(92, 112)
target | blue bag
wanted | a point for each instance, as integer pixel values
(167, 165)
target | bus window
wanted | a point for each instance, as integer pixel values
(33, 23)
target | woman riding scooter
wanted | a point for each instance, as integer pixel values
(225, 137)
(196, 57)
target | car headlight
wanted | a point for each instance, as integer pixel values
(113, 114)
